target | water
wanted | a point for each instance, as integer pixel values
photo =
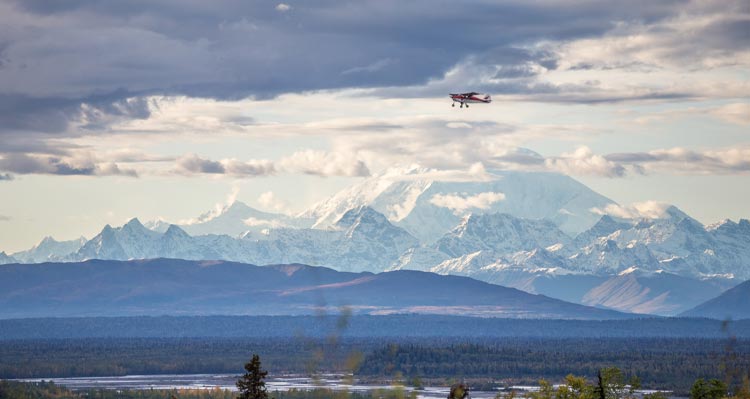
(227, 381)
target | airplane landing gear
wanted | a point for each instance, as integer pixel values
(453, 105)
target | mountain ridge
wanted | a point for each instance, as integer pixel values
(533, 254)
(175, 286)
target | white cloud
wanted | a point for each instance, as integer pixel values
(474, 173)
(699, 37)
(584, 162)
(737, 113)
(458, 125)
(680, 160)
(255, 222)
(637, 210)
(269, 200)
(282, 7)
(321, 163)
(459, 203)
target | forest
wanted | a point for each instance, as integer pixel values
(402, 325)
(666, 363)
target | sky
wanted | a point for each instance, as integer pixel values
(162, 109)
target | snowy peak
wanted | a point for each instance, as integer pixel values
(134, 226)
(6, 259)
(175, 232)
(363, 226)
(393, 192)
(363, 215)
(428, 203)
(234, 220)
(603, 228)
(49, 250)
(132, 240)
(501, 233)
(605, 257)
(674, 213)
(240, 210)
(728, 227)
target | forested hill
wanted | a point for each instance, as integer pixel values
(360, 326)
(181, 287)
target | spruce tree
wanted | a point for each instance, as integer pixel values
(252, 384)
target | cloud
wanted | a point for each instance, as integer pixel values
(584, 162)
(273, 224)
(444, 144)
(737, 113)
(374, 67)
(684, 161)
(217, 210)
(232, 196)
(269, 200)
(461, 203)
(323, 163)
(80, 63)
(474, 173)
(637, 210)
(192, 163)
(189, 164)
(67, 117)
(114, 69)
(26, 164)
(675, 160)
(700, 36)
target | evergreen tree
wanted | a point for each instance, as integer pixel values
(712, 389)
(252, 384)
(611, 384)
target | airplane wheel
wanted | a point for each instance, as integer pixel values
(467, 105)
(453, 105)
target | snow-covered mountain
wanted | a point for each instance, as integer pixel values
(6, 259)
(661, 266)
(428, 208)
(501, 233)
(131, 241)
(49, 250)
(233, 219)
(362, 240)
(539, 232)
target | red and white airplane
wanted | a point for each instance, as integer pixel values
(471, 97)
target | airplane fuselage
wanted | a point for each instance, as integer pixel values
(471, 98)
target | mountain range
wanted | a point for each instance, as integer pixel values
(181, 287)
(543, 233)
(732, 304)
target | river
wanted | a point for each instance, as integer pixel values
(227, 381)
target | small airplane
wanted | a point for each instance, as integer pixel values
(471, 97)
